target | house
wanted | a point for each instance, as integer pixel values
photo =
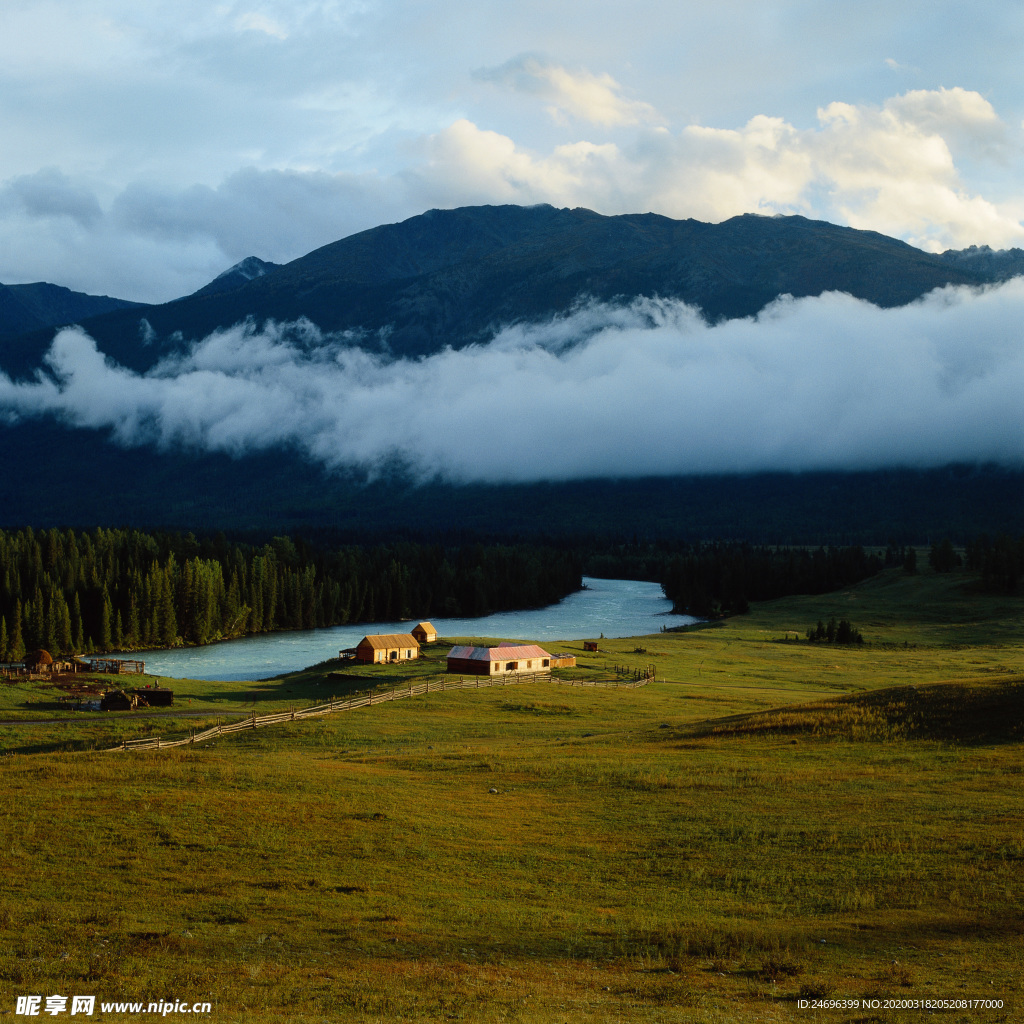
(385, 647)
(425, 633)
(504, 659)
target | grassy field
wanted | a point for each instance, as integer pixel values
(771, 821)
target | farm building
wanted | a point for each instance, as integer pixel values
(501, 660)
(154, 696)
(39, 661)
(383, 647)
(563, 659)
(117, 666)
(425, 633)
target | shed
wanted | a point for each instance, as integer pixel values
(425, 632)
(118, 700)
(563, 660)
(590, 645)
(504, 659)
(385, 647)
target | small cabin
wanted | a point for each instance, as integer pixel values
(425, 633)
(383, 648)
(506, 659)
(590, 645)
(118, 700)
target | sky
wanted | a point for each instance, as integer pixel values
(144, 148)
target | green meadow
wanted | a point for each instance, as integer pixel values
(770, 822)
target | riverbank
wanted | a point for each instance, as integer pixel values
(610, 608)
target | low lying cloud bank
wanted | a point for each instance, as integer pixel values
(647, 389)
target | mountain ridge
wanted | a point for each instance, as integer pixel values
(452, 277)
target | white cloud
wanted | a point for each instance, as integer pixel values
(822, 383)
(256, 22)
(896, 167)
(888, 168)
(580, 94)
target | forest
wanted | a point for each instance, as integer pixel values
(710, 580)
(84, 592)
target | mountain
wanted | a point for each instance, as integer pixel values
(241, 273)
(60, 477)
(992, 264)
(43, 305)
(15, 317)
(451, 277)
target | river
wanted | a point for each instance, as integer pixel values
(612, 607)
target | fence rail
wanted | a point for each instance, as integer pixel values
(333, 706)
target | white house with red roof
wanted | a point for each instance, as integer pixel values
(505, 659)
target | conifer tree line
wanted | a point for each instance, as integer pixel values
(722, 578)
(1000, 560)
(85, 592)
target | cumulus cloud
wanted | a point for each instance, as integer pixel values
(889, 168)
(647, 389)
(580, 94)
(893, 167)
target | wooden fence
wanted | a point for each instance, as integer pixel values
(260, 721)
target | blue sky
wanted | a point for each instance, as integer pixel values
(146, 147)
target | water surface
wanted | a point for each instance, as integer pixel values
(612, 607)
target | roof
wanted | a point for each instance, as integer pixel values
(427, 627)
(504, 652)
(385, 641)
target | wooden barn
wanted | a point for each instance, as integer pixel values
(425, 633)
(385, 647)
(562, 659)
(516, 659)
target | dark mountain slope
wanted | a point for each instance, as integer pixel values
(77, 478)
(15, 317)
(993, 264)
(450, 277)
(55, 306)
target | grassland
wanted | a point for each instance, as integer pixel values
(770, 821)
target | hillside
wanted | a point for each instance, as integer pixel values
(28, 307)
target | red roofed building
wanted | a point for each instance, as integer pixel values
(502, 660)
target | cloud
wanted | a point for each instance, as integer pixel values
(580, 94)
(888, 168)
(647, 389)
(50, 193)
(256, 22)
(893, 167)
